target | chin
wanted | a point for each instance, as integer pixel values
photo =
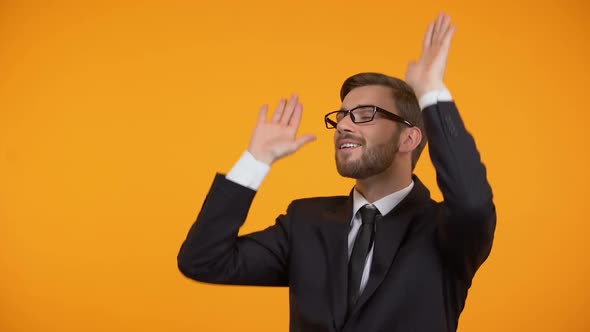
(359, 168)
(350, 169)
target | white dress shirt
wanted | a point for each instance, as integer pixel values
(384, 206)
(250, 173)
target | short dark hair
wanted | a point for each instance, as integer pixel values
(403, 95)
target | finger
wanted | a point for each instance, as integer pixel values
(276, 117)
(444, 27)
(437, 26)
(296, 118)
(449, 36)
(262, 115)
(291, 105)
(428, 36)
(301, 141)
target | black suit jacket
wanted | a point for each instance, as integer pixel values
(425, 253)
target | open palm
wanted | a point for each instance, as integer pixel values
(428, 72)
(276, 138)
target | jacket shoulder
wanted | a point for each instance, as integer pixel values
(319, 202)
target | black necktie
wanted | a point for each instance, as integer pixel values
(360, 250)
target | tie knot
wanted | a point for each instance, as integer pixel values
(368, 214)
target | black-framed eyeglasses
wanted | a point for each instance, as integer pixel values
(361, 114)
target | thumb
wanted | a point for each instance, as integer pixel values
(301, 141)
(410, 69)
(411, 65)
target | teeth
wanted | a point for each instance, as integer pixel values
(349, 145)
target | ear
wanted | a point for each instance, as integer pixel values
(410, 139)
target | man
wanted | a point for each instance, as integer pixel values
(386, 257)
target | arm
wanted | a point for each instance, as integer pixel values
(212, 251)
(467, 220)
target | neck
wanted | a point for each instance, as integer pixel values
(393, 179)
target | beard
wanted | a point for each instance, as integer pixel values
(373, 161)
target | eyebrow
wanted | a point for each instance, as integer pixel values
(359, 105)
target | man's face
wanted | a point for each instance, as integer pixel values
(375, 143)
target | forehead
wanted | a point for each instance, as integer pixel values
(377, 95)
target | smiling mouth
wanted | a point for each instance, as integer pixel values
(348, 146)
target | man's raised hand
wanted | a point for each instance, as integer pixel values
(428, 72)
(276, 138)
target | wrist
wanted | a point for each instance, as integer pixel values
(261, 157)
(423, 89)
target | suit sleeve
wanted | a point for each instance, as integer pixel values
(214, 253)
(467, 219)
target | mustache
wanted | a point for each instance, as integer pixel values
(347, 136)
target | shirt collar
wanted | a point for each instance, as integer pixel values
(384, 205)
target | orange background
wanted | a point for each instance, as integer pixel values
(115, 115)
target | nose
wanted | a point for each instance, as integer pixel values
(345, 125)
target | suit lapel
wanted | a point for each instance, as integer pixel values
(334, 229)
(389, 235)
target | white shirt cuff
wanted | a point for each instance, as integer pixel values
(248, 172)
(433, 97)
